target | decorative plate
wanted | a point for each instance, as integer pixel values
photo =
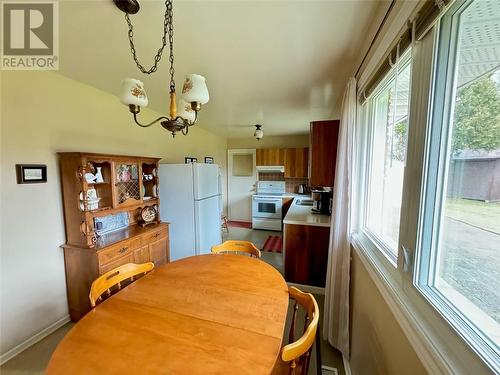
(148, 214)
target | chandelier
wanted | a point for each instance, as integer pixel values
(258, 132)
(133, 94)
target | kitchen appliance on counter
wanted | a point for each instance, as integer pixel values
(191, 201)
(267, 205)
(322, 202)
(302, 189)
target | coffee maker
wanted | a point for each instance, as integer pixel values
(322, 202)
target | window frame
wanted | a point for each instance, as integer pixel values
(367, 140)
(436, 166)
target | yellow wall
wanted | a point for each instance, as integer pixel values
(378, 344)
(271, 141)
(42, 113)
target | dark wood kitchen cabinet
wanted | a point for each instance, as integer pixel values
(323, 152)
(296, 162)
(270, 156)
(306, 254)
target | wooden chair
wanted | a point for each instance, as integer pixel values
(232, 246)
(116, 277)
(224, 223)
(295, 356)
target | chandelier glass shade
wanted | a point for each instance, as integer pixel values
(194, 89)
(132, 93)
(185, 111)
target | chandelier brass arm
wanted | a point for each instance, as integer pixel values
(173, 125)
(151, 123)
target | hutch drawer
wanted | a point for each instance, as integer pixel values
(153, 236)
(116, 251)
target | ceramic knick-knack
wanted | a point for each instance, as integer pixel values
(98, 175)
(89, 178)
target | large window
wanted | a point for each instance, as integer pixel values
(428, 186)
(388, 124)
(460, 271)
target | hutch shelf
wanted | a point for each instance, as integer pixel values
(101, 188)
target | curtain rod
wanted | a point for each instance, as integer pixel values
(375, 37)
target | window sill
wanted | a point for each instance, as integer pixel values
(440, 349)
(383, 249)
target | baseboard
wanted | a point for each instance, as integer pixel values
(347, 366)
(309, 288)
(33, 339)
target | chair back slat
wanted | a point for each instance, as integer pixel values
(291, 333)
(293, 367)
(298, 353)
(233, 246)
(306, 322)
(114, 278)
(306, 359)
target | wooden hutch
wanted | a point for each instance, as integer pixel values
(126, 185)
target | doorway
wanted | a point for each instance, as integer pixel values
(242, 177)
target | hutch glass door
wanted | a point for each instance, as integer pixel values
(127, 183)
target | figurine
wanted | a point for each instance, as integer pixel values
(98, 175)
(89, 177)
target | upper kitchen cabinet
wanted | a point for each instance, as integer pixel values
(296, 162)
(323, 152)
(270, 156)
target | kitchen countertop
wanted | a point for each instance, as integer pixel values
(295, 195)
(285, 195)
(302, 215)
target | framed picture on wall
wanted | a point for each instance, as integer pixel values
(31, 173)
(189, 160)
(209, 160)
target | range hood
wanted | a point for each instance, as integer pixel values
(270, 169)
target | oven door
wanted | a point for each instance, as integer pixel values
(269, 208)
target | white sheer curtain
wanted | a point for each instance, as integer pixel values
(336, 311)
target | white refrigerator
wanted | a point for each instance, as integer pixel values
(191, 201)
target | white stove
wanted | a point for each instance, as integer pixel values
(267, 205)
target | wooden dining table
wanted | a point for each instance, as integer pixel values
(207, 314)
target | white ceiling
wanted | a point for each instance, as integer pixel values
(279, 63)
(479, 41)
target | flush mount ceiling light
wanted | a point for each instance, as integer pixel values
(132, 93)
(258, 132)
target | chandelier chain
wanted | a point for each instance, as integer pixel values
(170, 23)
(167, 29)
(174, 124)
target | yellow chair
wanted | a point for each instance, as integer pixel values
(232, 246)
(294, 357)
(115, 277)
